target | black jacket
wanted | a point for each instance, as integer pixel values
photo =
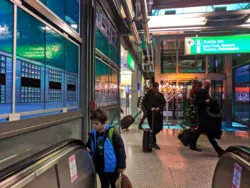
(207, 124)
(154, 100)
(118, 148)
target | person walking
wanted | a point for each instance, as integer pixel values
(209, 118)
(154, 102)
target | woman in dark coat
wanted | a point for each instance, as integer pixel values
(154, 102)
(209, 119)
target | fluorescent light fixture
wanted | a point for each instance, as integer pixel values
(175, 21)
(46, 28)
(74, 26)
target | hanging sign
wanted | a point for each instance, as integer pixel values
(217, 45)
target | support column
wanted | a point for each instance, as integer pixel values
(134, 94)
(158, 61)
(228, 91)
(87, 63)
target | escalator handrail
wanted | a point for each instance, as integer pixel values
(16, 167)
(242, 151)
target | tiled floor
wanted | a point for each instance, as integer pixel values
(174, 166)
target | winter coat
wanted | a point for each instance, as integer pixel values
(209, 124)
(114, 151)
(153, 100)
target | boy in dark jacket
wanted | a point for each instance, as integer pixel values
(107, 149)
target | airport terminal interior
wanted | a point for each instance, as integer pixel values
(60, 60)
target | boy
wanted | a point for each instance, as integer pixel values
(107, 149)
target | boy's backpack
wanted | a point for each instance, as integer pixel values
(110, 134)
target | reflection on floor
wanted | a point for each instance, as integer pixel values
(235, 127)
(174, 166)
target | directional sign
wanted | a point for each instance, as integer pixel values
(217, 45)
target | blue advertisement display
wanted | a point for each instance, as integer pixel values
(242, 74)
(242, 94)
(46, 66)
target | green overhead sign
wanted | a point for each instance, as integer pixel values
(217, 45)
(131, 62)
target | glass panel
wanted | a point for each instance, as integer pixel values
(30, 63)
(58, 7)
(195, 65)
(47, 68)
(201, 9)
(215, 64)
(241, 59)
(30, 37)
(6, 37)
(67, 10)
(72, 13)
(71, 74)
(55, 65)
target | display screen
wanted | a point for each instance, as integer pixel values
(242, 94)
(55, 85)
(71, 87)
(2, 79)
(30, 82)
(242, 74)
(217, 45)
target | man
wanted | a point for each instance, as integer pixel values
(154, 102)
(211, 126)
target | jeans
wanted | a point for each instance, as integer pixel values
(108, 178)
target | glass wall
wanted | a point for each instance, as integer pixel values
(67, 10)
(107, 39)
(46, 66)
(6, 49)
(106, 85)
(172, 48)
(215, 63)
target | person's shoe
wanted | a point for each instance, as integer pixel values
(195, 148)
(155, 146)
(220, 153)
(140, 127)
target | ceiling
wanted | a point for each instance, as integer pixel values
(163, 4)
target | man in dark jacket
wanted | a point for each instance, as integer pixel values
(154, 102)
(210, 125)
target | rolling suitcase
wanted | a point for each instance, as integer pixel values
(128, 120)
(148, 138)
(186, 136)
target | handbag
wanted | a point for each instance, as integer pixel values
(123, 181)
(118, 182)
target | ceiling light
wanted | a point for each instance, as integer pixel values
(175, 21)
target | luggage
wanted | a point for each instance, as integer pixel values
(186, 136)
(147, 141)
(148, 138)
(128, 120)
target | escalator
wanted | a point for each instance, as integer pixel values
(64, 165)
(233, 169)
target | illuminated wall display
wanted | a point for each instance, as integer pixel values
(217, 45)
(47, 75)
(242, 93)
(131, 62)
